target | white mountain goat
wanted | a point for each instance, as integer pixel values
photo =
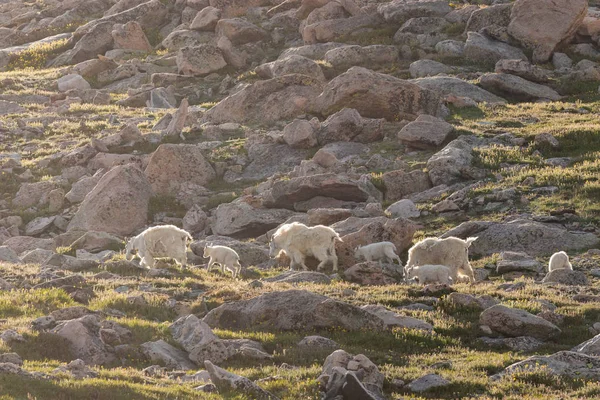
(451, 252)
(159, 241)
(225, 256)
(299, 241)
(377, 252)
(430, 274)
(559, 260)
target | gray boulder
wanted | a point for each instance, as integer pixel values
(566, 277)
(516, 88)
(228, 382)
(447, 85)
(483, 50)
(514, 322)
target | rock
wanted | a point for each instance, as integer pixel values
(453, 163)
(332, 30)
(56, 200)
(517, 88)
(118, 204)
(33, 194)
(561, 61)
(265, 102)
(82, 187)
(77, 369)
(447, 85)
(567, 364)
(38, 225)
(470, 301)
(531, 237)
(399, 11)
(483, 50)
(317, 343)
(300, 276)
(97, 40)
(377, 93)
(8, 255)
(94, 242)
(516, 261)
(427, 382)
(172, 165)
(72, 81)
(12, 358)
(293, 64)
(11, 336)
(130, 36)
(342, 58)
(513, 322)
(239, 31)
(546, 139)
(240, 219)
(227, 382)
(425, 132)
(10, 107)
(195, 220)
(404, 208)
(285, 193)
(371, 273)
(270, 159)
(495, 15)
(522, 69)
(290, 310)
(161, 351)
(181, 38)
(177, 122)
(589, 347)
(347, 125)
(315, 51)
(450, 48)
(200, 60)
(566, 277)
(82, 335)
(301, 134)
(22, 244)
(423, 68)
(393, 320)
(399, 184)
(521, 343)
(544, 25)
(337, 368)
(206, 19)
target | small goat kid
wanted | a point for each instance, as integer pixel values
(225, 256)
(377, 252)
(159, 241)
(559, 260)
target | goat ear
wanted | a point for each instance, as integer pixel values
(470, 240)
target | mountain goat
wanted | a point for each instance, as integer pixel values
(299, 241)
(451, 252)
(225, 256)
(378, 251)
(559, 260)
(159, 241)
(430, 274)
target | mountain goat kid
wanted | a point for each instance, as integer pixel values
(378, 251)
(225, 256)
(299, 241)
(451, 252)
(559, 260)
(430, 274)
(159, 241)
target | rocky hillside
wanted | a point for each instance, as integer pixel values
(385, 120)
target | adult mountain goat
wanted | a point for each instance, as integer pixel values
(452, 252)
(299, 241)
(159, 241)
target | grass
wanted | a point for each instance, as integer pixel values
(37, 56)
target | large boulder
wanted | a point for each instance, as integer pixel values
(285, 193)
(544, 24)
(226, 382)
(266, 102)
(481, 49)
(97, 41)
(496, 15)
(200, 60)
(590, 347)
(83, 336)
(130, 36)
(567, 364)
(163, 352)
(347, 125)
(240, 219)
(452, 164)
(449, 85)
(513, 322)
(532, 237)
(399, 184)
(269, 159)
(342, 58)
(239, 31)
(399, 11)
(516, 88)
(566, 277)
(332, 30)
(376, 95)
(251, 253)
(371, 273)
(118, 204)
(425, 132)
(172, 165)
(292, 64)
(292, 310)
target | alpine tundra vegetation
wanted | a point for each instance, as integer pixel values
(406, 194)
